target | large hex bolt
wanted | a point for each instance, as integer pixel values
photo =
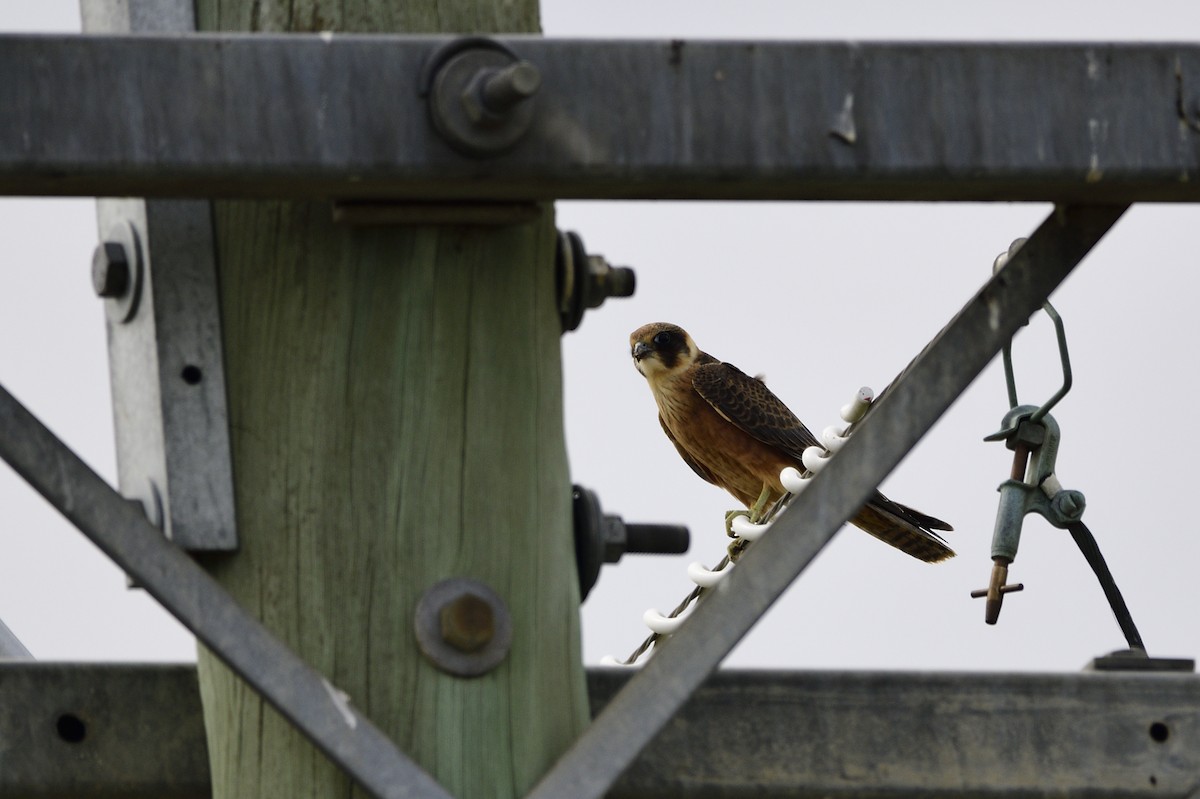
(603, 538)
(110, 269)
(118, 272)
(480, 95)
(463, 627)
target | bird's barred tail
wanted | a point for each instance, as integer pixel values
(906, 529)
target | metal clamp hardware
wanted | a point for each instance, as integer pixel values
(156, 271)
(480, 95)
(1033, 435)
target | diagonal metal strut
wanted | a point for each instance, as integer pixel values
(118, 527)
(904, 413)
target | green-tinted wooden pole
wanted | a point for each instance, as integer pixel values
(396, 413)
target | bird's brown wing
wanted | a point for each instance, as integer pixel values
(749, 404)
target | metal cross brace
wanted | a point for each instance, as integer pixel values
(903, 414)
(908, 409)
(120, 529)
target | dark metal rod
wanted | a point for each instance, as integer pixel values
(903, 414)
(232, 115)
(119, 528)
(1091, 552)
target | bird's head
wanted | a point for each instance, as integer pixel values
(660, 349)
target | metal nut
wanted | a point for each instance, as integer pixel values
(1069, 505)
(119, 272)
(110, 269)
(586, 281)
(480, 95)
(468, 623)
(463, 627)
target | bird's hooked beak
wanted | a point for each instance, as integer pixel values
(641, 350)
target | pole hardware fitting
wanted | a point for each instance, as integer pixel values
(1033, 436)
(118, 272)
(1031, 488)
(463, 627)
(602, 538)
(481, 95)
(585, 281)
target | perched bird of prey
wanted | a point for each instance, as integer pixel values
(736, 434)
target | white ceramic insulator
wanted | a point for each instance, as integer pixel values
(663, 625)
(833, 437)
(814, 459)
(704, 577)
(793, 481)
(609, 660)
(858, 406)
(743, 527)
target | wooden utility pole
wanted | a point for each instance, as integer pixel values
(396, 411)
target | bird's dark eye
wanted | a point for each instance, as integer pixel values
(662, 339)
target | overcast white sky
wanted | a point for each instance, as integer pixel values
(850, 292)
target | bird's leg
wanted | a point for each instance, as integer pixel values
(760, 505)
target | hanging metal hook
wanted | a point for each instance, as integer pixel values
(1063, 354)
(1033, 435)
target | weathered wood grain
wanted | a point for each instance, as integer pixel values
(396, 412)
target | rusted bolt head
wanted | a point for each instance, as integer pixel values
(110, 269)
(463, 627)
(467, 622)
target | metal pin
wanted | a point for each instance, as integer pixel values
(506, 87)
(996, 590)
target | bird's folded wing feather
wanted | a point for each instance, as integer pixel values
(749, 404)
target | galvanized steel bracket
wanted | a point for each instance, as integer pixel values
(167, 372)
(166, 363)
